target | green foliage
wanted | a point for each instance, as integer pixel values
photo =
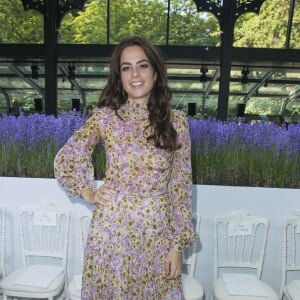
(188, 27)
(222, 153)
(19, 26)
(149, 18)
(220, 167)
(264, 106)
(85, 27)
(99, 162)
(268, 29)
(238, 167)
(140, 17)
(19, 161)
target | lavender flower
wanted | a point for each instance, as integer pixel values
(225, 153)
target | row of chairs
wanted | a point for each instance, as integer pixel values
(240, 243)
(44, 238)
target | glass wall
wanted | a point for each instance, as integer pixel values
(165, 22)
(174, 22)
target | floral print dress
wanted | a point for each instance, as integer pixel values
(131, 235)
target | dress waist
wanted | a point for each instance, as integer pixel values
(136, 191)
(140, 194)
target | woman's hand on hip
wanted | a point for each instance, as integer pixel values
(101, 196)
(173, 264)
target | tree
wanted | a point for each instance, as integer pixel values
(19, 26)
(149, 18)
(188, 27)
(268, 29)
(87, 26)
(140, 17)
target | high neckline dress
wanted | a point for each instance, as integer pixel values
(131, 235)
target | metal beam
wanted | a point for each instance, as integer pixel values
(211, 82)
(21, 75)
(290, 23)
(75, 84)
(191, 56)
(255, 88)
(289, 99)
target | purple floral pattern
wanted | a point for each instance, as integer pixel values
(131, 235)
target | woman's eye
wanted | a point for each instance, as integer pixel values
(144, 66)
(125, 69)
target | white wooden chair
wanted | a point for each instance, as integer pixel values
(44, 236)
(240, 243)
(290, 285)
(75, 284)
(192, 288)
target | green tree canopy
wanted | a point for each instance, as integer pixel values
(140, 17)
(148, 18)
(268, 29)
(19, 26)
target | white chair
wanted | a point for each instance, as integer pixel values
(44, 235)
(192, 289)
(75, 284)
(290, 286)
(240, 243)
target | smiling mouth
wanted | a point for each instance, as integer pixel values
(138, 83)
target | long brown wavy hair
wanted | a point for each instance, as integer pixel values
(163, 134)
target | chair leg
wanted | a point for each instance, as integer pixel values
(285, 297)
(66, 294)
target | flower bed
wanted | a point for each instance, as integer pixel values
(259, 154)
(223, 153)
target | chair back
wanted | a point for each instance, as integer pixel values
(240, 242)
(189, 256)
(2, 241)
(44, 234)
(84, 226)
(290, 249)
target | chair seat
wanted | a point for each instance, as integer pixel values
(192, 289)
(221, 292)
(292, 290)
(9, 286)
(74, 293)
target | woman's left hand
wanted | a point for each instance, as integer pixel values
(173, 265)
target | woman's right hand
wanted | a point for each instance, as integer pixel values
(101, 196)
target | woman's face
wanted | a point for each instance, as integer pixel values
(137, 74)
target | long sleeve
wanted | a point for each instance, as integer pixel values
(180, 187)
(73, 166)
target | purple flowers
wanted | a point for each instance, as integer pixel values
(226, 153)
(33, 129)
(250, 137)
(259, 154)
(29, 143)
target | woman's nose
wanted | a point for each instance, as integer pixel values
(135, 71)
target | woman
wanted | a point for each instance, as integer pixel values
(142, 217)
